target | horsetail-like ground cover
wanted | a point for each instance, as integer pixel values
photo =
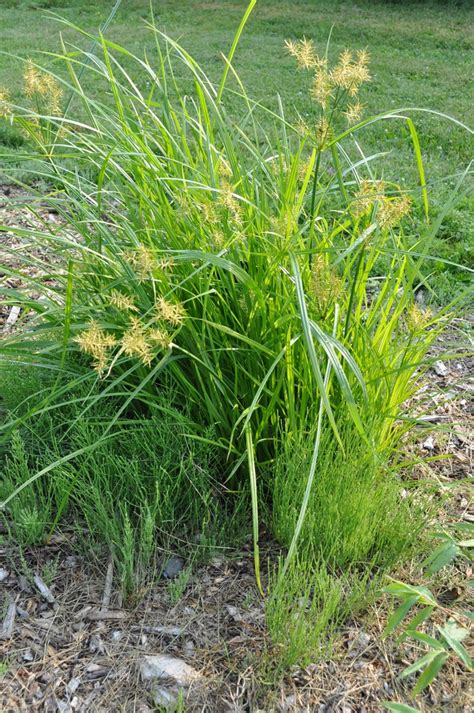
(220, 333)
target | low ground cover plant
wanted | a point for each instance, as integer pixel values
(231, 310)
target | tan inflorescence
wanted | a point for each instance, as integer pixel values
(325, 284)
(121, 302)
(4, 104)
(135, 342)
(390, 209)
(142, 260)
(96, 342)
(338, 86)
(369, 193)
(41, 84)
(228, 200)
(353, 112)
(171, 312)
(418, 318)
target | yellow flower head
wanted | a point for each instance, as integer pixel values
(284, 224)
(209, 213)
(218, 239)
(135, 344)
(33, 80)
(41, 84)
(171, 312)
(322, 87)
(4, 103)
(363, 57)
(160, 337)
(165, 263)
(353, 112)
(230, 202)
(97, 343)
(304, 53)
(392, 210)
(350, 73)
(325, 285)
(223, 169)
(142, 260)
(302, 128)
(54, 94)
(368, 194)
(121, 301)
(417, 318)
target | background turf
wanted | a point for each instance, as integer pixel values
(422, 56)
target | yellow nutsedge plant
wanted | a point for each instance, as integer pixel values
(305, 54)
(160, 337)
(392, 210)
(165, 263)
(209, 213)
(39, 84)
(353, 112)
(369, 193)
(230, 202)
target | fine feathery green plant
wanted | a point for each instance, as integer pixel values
(151, 485)
(261, 273)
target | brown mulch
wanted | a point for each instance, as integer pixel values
(70, 644)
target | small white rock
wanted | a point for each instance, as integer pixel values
(440, 368)
(162, 666)
(429, 444)
(3, 574)
(28, 655)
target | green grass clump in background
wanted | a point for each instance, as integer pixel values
(420, 57)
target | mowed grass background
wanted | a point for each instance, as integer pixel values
(422, 55)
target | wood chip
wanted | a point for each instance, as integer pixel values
(109, 615)
(9, 621)
(109, 578)
(43, 589)
(11, 319)
(162, 630)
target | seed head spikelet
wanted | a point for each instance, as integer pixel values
(392, 210)
(418, 318)
(97, 343)
(4, 103)
(171, 312)
(135, 343)
(122, 302)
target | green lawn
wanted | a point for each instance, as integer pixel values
(422, 56)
